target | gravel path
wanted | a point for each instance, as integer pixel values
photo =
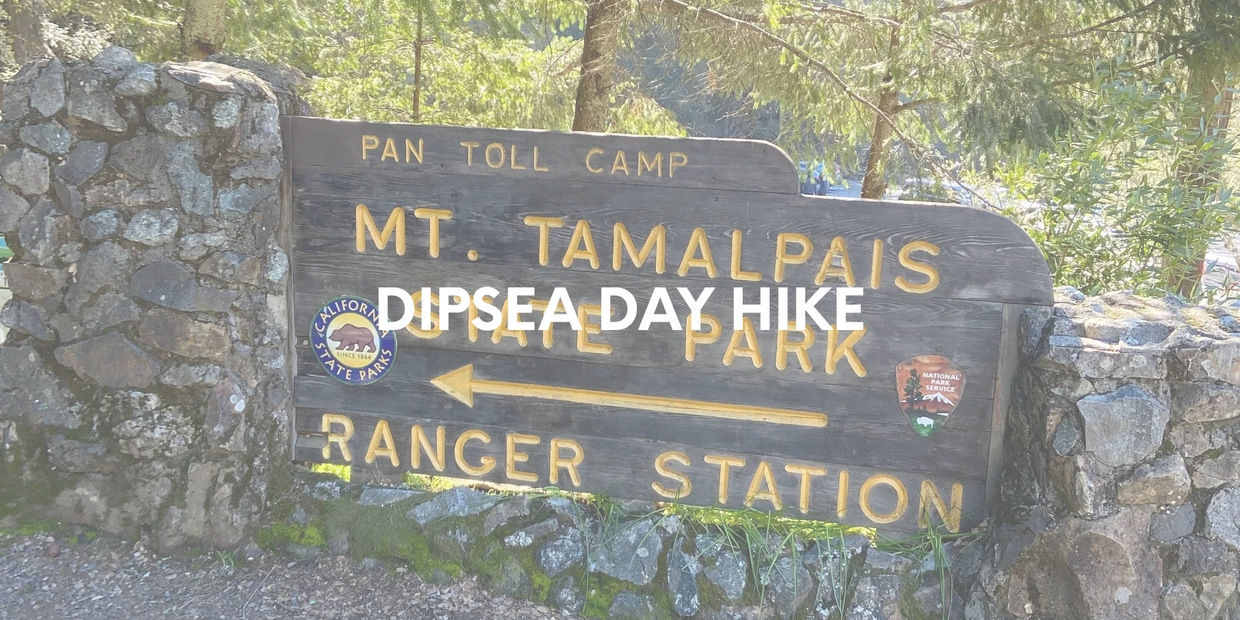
(106, 579)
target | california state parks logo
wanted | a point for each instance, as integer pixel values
(346, 340)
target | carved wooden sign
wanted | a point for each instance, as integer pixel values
(870, 425)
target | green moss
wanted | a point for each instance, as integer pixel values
(541, 586)
(602, 592)
(280, 535)
(386, 533)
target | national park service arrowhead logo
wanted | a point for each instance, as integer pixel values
(929, 388)
(347, 341)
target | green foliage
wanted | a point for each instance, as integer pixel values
(1132, 196)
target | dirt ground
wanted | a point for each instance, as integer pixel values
(105, 579)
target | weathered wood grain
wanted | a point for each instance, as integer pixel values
(735, 165)
(859, 430)
(626, 468)
(959, 330)
(982, 256)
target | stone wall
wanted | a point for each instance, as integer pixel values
(144, 383)
(1121, 489)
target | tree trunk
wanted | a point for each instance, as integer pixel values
(26, 29)
(1215, 118)
(874, 184)
(598, 64)
(202, 29)
(417, 72)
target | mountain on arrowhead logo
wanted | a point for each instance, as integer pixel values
(929, 388)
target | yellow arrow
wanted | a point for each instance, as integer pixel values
(462, 385)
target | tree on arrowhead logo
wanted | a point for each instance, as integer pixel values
(929, 388)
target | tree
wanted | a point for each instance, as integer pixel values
(912, 390)
(882, 71)
(202, 28)
(604, 21)
(25, 29)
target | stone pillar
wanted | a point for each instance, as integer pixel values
(145, 382)
(1121, 491)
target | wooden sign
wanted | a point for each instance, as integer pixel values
(896, 425)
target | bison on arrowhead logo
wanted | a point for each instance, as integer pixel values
(929, 388)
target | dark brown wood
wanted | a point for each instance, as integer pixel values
(716, 163)
(626, 467)
(986, 267)
(983, 255)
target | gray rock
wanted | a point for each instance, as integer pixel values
(179, 334)
(186, 375)
(876, 597)
(512, 579)
(682, 570)
(565, 509)
(1067, 438)
(196, 190)
(385, 496)
(1217, 361)
(505, 511)
(91, 100)
(141, 158)
(529, 535)
(83, 162)
(1199, 555)
(790, 587)
(1161, 481)
(303, 552)
(299, 516)
(12, 209)
(338, 542)
(139, 82)
(277, 266)
(110, 360)
(1218, 471)
(631, 555)
(47, 92)
(1204, 402)
(1173, 523)
(561, 553)
(44, 233)
(195, 246)
(565, 594)
(153, 227)
(102, 225)
(455, 502)
(67, 328)
(50, 137)
(930, 597)
(172, 285)
(226, 113)
(725, 567)
(207, 76)
(1216, 590)
(1192, 440)
(224, 427)
(114, 61)
(69, 198)
(104, 265)
(108, 310)
(164, 433)
(262, 168)
(79, 457)
(35, 283)
(241, 200)
(1223, 516)
(16, 93)
(25, 318)
(26, 170)
(1123, 427)
(631, 606)
(1181, 603)
(882, 562)
(231, 267)
(177, 118)
(260, 125)
(28, 391)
